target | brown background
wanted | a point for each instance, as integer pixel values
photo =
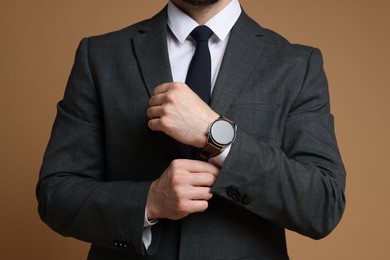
(37, 44)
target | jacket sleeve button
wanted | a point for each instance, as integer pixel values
(245, 200)
(233, 193)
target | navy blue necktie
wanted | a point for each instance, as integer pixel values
(199, 72)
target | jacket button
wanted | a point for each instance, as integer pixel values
(233, 193)
(245, 200)
(121, 245)
(236, 195)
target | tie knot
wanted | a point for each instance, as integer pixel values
(201, 33)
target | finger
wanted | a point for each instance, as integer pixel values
(195, 166)
(154, 124)
(154, 112)
(188, 192)
(162, 88)
(157, 99)
(198, 206)
(200, 193)
(202, 179)
(203, 167)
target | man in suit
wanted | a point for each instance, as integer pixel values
(120, 169)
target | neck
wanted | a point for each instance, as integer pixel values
(201, 14)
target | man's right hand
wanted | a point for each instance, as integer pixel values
(183, 188)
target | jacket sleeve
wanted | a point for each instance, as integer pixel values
(300, 185)
(74, 198)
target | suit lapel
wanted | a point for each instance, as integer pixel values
(243, 51)
(151, 51)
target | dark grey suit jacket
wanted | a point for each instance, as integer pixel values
(283, 170)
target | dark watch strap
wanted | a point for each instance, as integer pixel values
(210, 150)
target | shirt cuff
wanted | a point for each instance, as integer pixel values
(147, 232)
(147, 236)
(220, 158)
(149, 222)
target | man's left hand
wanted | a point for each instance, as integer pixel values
(177, 111)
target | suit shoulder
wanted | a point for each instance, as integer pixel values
(117, 37)
(122, 36)
(283, 46)
(277, 44)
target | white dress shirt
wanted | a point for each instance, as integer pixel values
(181, 48)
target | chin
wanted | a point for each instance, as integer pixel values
(200, 2)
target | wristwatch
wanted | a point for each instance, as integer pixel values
(221, 134)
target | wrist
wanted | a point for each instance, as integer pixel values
(149, 214)
(150, 210)
(202, 137)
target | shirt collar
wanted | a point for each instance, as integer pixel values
(182, 25)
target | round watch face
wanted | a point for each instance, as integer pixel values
(222, 132)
